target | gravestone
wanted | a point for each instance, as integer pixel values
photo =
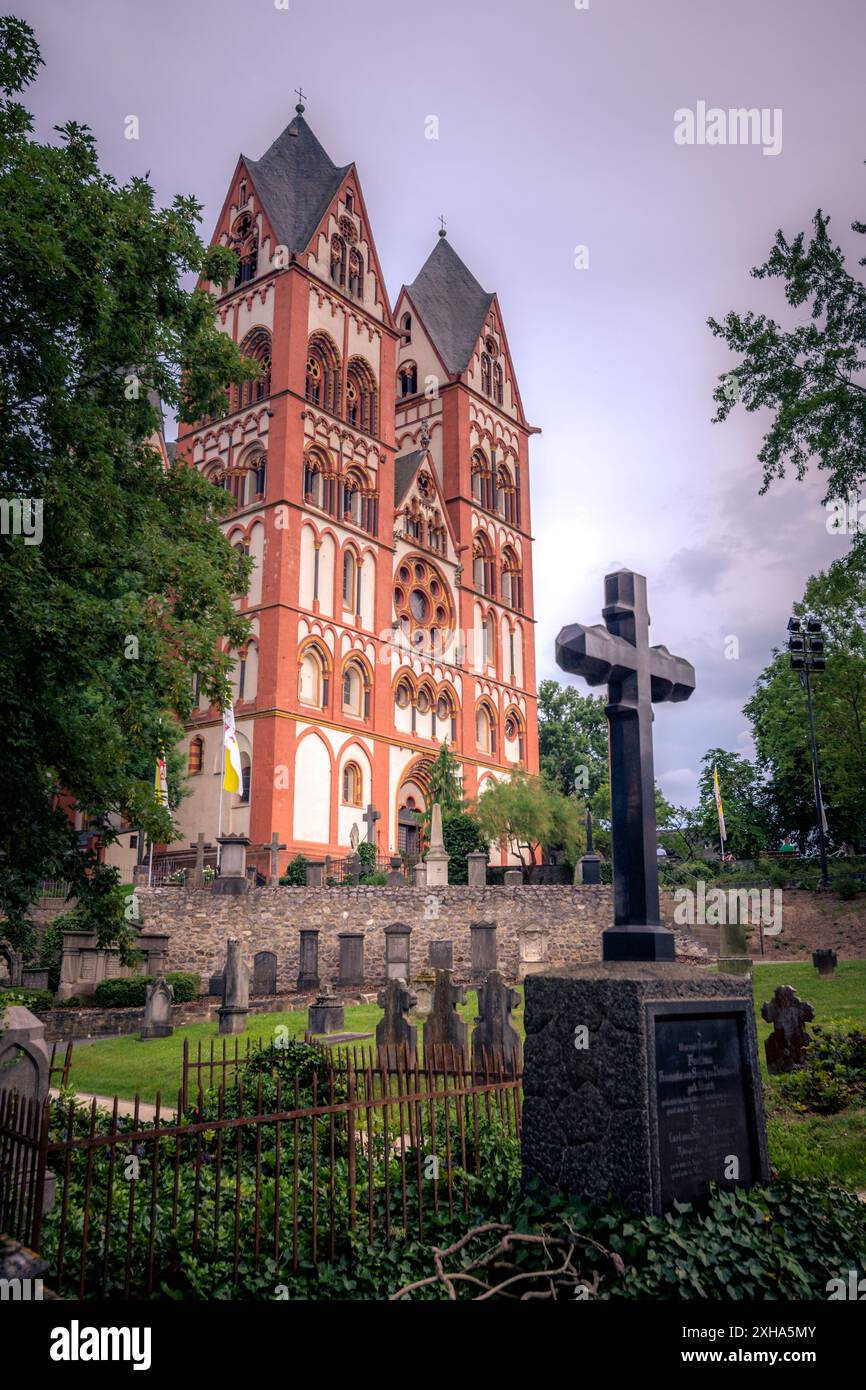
(397, 951)
(825, 961)
(274, 853)
(158, 1000)
(24, 1060)
(513, 878)
(264, 973)
(637, 676)
(476, 868)
(734, 958)
(198, 871)
(440, 955)
(351, 958)
(396, 1037)
(353, 869)
(314, 872)
(423, 984)
(327, 1015)
(232, 879)
(495, 1040)
(641, 1083)
(437, 857)
(482, 949)
(396, 878)
(236, 994)
(532, 944)
(308, 961)
(786, 1046)
(371, 815)
(641, 1079)
(590, 863)
(216, 985)
(444, 1028)
(419, 875)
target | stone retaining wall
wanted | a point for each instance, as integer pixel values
(63, 1025)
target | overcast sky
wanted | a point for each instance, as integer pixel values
(555, 130)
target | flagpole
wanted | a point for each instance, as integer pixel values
(220, 821)
(150, 864)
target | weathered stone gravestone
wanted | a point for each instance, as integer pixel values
(513, 878)
(327, 1015)
(482, 950)
(437, 857)
(444, 1029)
(590, 863)
(396, 1037)
(216, 985)
(440, 955)
(24, 1061)
(236, 994)
(423, 984)
(314, 873)
(353, 869)
(264, 972)
(734, 958)
(532, 944)
(397, 951)
(396, 878)
(825, 961)
(232, 878)
(641, 1080)
(495, 1040)
(419, 875)
(351, 958)
(308, 959)
(786, 1046)
(158, 1000)
(476, 868)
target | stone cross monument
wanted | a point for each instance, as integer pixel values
(637, 675)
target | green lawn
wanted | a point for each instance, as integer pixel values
(800, 1145)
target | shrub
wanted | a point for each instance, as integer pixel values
(834, 1075)
(848, 888)
(367, 856)
(462, 835)
(36, 999)
(130, 993)
(374, 880)
(296, 873)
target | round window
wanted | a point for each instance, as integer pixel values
(418, 605)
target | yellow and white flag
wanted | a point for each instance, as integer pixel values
(717, 792)
(232, 774)
(160, 781)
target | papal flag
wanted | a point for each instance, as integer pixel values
(717, 792)
(160, 781)
(232, 774)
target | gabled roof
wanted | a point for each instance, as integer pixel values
(405, 468)
(296, 181)
(451, 303)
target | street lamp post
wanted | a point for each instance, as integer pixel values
(806, 646)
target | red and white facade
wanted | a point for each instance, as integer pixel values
(384, 498)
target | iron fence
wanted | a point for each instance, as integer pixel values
(253, 1183)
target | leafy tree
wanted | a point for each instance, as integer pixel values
(572, 739)
(527, 814)
(780, 724)
(462, 834)
(748, 820)
(131, 587)
(445, 785)
(805, 375)
(682, 829)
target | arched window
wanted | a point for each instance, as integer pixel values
(322, 485)
(497, 382)
(244, 242)
(352, 785)
(195, 760)
(482, 565)
(234, 481)
(403, 694)
(351, 597)
(356, 273)
(257, 346)
(338, 260)
(506, 495)
(485, 729)
(445, 723)
(313, 678)
(482, 480)
(422, 602)
(406, 325)
(514, 733)
(512, 579)
(259, 474)
(361, 396)
(424, 701)
(322, 385)
(488, 638)
(246, 778)
(408, 379)
(485, 373)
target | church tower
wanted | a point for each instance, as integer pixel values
(376, 633)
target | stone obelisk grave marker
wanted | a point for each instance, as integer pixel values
(641, 1078)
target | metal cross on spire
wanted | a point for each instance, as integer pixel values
(442, 231)
(637, 675)
(299, 93)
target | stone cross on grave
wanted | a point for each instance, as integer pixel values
(637, 675)
(370, 816)
(274, 850)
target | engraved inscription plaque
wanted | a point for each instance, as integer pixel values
(702, 1103)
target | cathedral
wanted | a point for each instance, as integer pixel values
(379, 473)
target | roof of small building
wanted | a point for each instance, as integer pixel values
(452, 304)
(296, 180)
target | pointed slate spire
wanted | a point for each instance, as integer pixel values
(452, 304)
